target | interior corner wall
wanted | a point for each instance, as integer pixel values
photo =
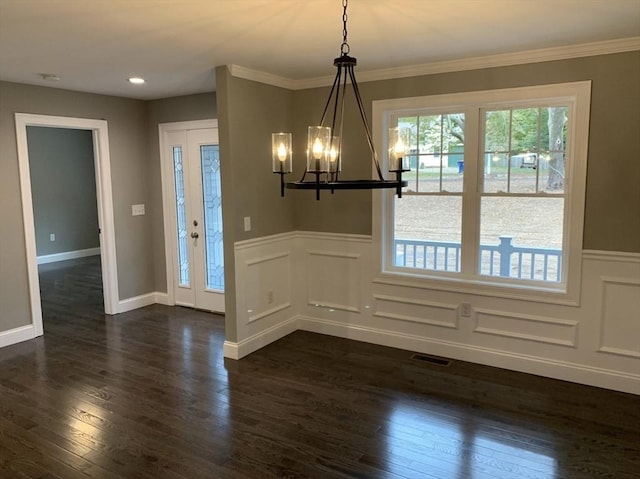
(63, 187)
(129, 169)
(611, 223)
(201, 106)
(248, 112)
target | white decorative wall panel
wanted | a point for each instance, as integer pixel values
(267, 285)
(264, 293)
(620, 318)
(334, 280)
(328, 283)
(418, 311)
(527, 327)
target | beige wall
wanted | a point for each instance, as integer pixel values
(248, 113)
(612, 221)
(183, 108)
(128, 150)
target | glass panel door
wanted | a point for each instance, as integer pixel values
(212, 206)
(197, 256)
(206, 203)
(181, 218)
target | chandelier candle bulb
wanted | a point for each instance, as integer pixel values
(334, 155)
(282, 152)
(281, 149)
(318, 144)
(317, 149)
(398, 141)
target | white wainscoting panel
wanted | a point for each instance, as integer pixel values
(325, 283)
(264, 293)
(526, 327)
(334, 280)
(610, 304)
(417, 311)
(268, 285)
(620, 317)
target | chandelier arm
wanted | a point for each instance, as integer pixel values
(324, 113)
(340, 135)
(367, 130)
(336, 81)
(337, 99)
(333, 175)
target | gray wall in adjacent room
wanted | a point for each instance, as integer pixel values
(63, 189)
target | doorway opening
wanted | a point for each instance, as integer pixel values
(104, 203)
(65, 211)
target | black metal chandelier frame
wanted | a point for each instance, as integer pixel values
(329, 180)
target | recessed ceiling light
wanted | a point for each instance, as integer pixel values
(136, 80)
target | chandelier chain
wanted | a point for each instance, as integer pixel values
(344, 48)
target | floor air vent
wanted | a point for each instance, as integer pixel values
(425, 358)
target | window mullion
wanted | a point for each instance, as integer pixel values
(471, 187)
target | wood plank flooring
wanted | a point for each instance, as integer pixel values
(147, 394)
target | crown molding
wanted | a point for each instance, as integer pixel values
(491, 61)
(262, 77)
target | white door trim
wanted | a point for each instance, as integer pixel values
(105, 206)
(167, 197)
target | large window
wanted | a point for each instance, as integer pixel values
(495, 194)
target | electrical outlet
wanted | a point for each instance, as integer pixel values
(269, 297)
(52, 237)
(247, 223)
(465, 310)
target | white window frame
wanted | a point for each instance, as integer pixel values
(577, 97)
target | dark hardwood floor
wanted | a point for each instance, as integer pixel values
(147, 394)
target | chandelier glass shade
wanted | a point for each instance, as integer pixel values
(324, 141)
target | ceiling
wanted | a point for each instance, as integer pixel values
(95, 45)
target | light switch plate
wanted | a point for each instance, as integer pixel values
(247, 223)
(137, 210)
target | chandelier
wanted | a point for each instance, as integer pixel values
(324, 141)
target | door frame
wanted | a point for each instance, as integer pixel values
(168, 208)
(102, 166)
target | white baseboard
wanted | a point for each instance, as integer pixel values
(239, 350)
(565, 371)
(81, 253)
(162, 298)
(143, 300)
(136, 302)
(17, 335)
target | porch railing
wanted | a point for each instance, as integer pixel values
(504, 259)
